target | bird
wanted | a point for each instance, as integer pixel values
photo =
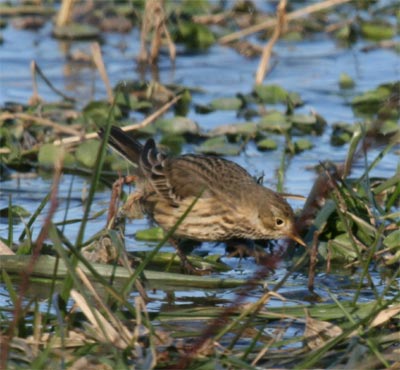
(227, 202)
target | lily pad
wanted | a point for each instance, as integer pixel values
(76, 31)
(346, 33)
(302, 144)
(131, 102)
(147, 131)
(49, 154)
(244, 128)
(118, 164)
(178, 125)
(295, 99)
(97, 112)
(275, 122)
(303, 119)
(219, 146)
(370, 101)
(267, 144)
(15, 212)
(203, 109)
(377, 30)
(340, 136)
(194, 36)
(345, 81)
(173, 142)
(389, 127)
(232, 103)
(292, 36)
(271, 94)
(86, 153)
(308, 123)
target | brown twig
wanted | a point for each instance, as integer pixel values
(39, 121)
(64, 15)
(98, 61)
(35, 98)
(5, 250)
(154, 19)
(20, 10)
(211, 18)
(266, 54)
(135, 126)
(272, 22)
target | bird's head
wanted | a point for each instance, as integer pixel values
(277, 217)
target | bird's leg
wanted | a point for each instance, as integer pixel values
(239, 247)
(186, 264)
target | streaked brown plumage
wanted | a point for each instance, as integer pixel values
(231, 204)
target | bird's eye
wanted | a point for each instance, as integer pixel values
(279, 222)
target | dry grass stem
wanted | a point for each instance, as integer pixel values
(115, 322)
(266, 54)
(154, 19)
(5, 250)
(26, 274)
(104, 331)
(35, 98)
(93, 135)
(211, 18)
(98, 61)
(64, 15)
(29, 118)
(272, 22)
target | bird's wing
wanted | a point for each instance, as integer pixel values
(191, 175)
(124, 144)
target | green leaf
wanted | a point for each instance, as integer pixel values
(232, 103)
(178, 126)
(243, 128)
(219, 146)
(342, 248)
(271, 94)
(76, 31)
(49, 154)
(377, 30)
(389, 127)
(15, 212)
(87, 152)
(370, 101)
(392, 240)
(194, 36)
(345, 81)
(97, 112)
(152, 234)
(302, 144)
(275, 122)
(303, 119)
(173, 142)
(267, 144)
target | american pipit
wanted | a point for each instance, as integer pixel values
(229, 203)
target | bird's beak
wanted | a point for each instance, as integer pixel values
(294, 236)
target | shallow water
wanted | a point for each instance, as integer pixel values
(309, 67)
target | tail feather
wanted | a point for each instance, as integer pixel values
(124, 144)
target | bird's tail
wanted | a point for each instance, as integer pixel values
(124, 144)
